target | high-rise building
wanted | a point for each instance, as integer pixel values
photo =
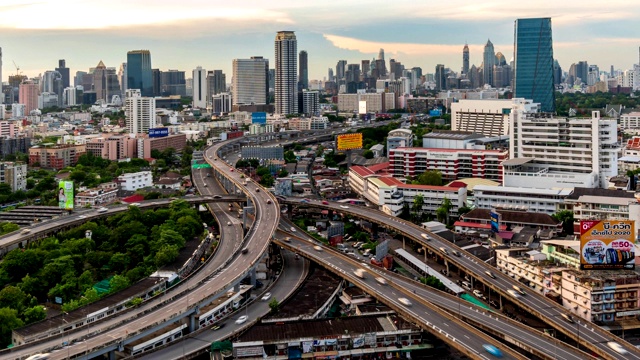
(557, 73)
(341, 69)
(440, 78)
(1, 97)
(139, 72)
(140, 112)
(216, 82)
(28, 95)
(172, 82)
(77, 80)
(52, 83)
(250, 82)
(105, 82)
(221, 103)
(330, 74)
(488, 60)
(199, 87)
(122, 76)
(310, 102)
(69, 96)
(366, 68)
(155, 80)
(533, 59)
(303, 71)
(465, 59)
(64, 73)
(286, 90)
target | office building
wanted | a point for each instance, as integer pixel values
(140, 112)
(303, 71)
(216, 83)
(155, 81)
(286, 90)
(63, 70)
(263, 152)
(399, 138)
(55, 157)
(28, 96)
(221, 103)
(534, 64)
(122, 77)
(1, 79)
(139, 72)
(544, 201)
(548, 152)
(199, 88)
(69, 96)
(375, 102)
(172, 82)
(488, 61)
(113, 147)
(487, 117)
(440, 78)
(310, 102)
(146, 144)
(453, 164)
(105, 82)
(250, 81)
(14, 145)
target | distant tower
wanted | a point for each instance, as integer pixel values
(465, 59)
(199, 87)
(28, 95)
(489, 59)
(140, 112)
(303, 71)
(330, 74)
(1, 93)
(139, 72)
(64, 72)
(381, 55)
(286, 94)
(533, 52)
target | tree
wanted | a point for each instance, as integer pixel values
(567, 219)
(34, 314)
(418, 203)
(274, 305)
(166, 255)
(443, 211)
(9, 320)
(267, 180)
(289, 157)
(283, 173)
(367, 154)
(117, 283)
(430, 177)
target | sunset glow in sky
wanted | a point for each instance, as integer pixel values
(187, 33)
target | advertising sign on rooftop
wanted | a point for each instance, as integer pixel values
(259, 118)
(607, 244)
(158, 132)
(349, 141)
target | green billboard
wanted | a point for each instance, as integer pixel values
(65, 195)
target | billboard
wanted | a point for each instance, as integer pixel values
(259, 118)
(349, 141)
(158, 132)
(495, 222)
(65, 195)
(362, 107)
(607, 244)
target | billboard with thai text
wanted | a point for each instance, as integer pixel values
(349, 141)
(607, 244)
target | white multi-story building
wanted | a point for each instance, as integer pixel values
(200, 95)
(548, 152)
(375, 102)
(221, 103)
(140, 112)
(399, 138)
(310, 102)
(69, 96)
(630, 120)
(250, 84)
(14, 174)
(96, 196)
(135, 181)
(514, 198)
(286, 58)
(488, 117)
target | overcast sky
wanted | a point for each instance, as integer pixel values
(183, 34)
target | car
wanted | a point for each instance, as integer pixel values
(617, 348)
(306, 201)
(444, 251)
(257, 189)
(569, 318)
(456, 253)
(26, 231)
(44, 356)
(103, 209)
(293, 229)
(242, 319)
(359, 273)
(205, 185)
(208, 175)
(266, 296)
(228, 223)
(478, 293)
(344, 206)
(268, 201)
(382, 281)
(426, 237)
(217, 197)
(324, 202)
(134, 204)
(493, 350)
(217, 327)
(82, 217)
(231, 169)
(519, 290)
(490, 274)
(513, 293)
(404, 301)
(287, 239)
(317, 248)
(244, 250)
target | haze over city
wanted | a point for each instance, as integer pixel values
(212, 33)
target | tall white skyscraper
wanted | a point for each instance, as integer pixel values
(122, 75)
(69, 96)
(286, 91)
(140, 112)
(250, 82)
(199, 88)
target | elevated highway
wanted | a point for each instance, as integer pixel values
(587, 334)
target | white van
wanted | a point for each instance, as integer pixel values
(466, 285)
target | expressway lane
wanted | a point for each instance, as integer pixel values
(443, 325)
(590, 335)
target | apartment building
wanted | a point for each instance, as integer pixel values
(453, 164)
(135, 181)
(531, 268)
(630, 120)
(55, 157)
(113, 147)
(548, 152)
(544, 201)
(375, 102)
(146, 145)
(14, 174)
(95, 197)
(488, 117)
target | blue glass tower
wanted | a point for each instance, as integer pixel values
(533, 55)
(139, 72)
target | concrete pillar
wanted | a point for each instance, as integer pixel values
(191, 326)
(111, 355)
(289, 211)
(252, 274)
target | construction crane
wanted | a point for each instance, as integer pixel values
(17, 68)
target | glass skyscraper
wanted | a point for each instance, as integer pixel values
(533, 49)
(139, 72)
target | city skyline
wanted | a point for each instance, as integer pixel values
(212, 34)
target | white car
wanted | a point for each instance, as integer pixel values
(478, 294)
(81, 217)
(381, 280)
(317, 248)
(617, 348)
(344, 206)
(293, 229)
(134, 204)
(404, 301)
(103, 209)
(266, 296)
(242, 319)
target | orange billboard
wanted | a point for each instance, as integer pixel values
(607, 244)
(349, 141)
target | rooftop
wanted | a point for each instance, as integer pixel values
(524, 217)
(452, 135)
(580, 191)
